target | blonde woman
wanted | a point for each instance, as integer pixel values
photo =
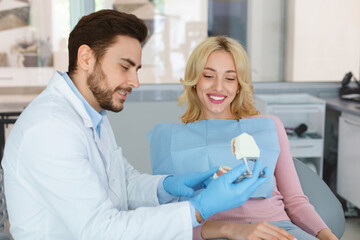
(219, 98)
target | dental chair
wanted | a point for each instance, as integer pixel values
(322, 198)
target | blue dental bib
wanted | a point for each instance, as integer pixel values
(198, 146)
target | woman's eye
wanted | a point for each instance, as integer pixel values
(207, 76)
(231, 79)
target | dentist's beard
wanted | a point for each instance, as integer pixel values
(97, 84)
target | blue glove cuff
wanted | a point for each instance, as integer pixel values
(198, 206)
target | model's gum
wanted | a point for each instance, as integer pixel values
(221, 171)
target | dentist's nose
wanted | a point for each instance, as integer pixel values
(134, 80)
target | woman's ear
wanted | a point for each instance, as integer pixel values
(85, 58)
(238, 89)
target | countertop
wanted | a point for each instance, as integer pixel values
(15, 103)
(343, 105)
(12, 107)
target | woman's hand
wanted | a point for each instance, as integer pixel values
(253, 231)
(259, 230)
(326, 234)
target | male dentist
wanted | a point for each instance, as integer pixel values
(66, 178)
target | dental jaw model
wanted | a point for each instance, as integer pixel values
(221, 171)
(244, 147)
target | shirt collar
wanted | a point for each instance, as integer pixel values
(96, 118)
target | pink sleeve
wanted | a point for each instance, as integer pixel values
(297, 205)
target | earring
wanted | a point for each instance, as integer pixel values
(237, 91)
(194, 86)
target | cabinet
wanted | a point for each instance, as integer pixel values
(348, 165)
(294, 110)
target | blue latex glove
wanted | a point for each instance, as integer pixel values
(222, 194)
(184, 185)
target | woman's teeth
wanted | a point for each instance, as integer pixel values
(216, 98)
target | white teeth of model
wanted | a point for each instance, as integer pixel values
(244, 145)
(217, 98)
(122, 93)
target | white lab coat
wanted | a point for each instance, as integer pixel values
(64, 182)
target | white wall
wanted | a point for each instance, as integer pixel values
(323, 39)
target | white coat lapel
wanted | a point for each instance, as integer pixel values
(58, 82)
(111, 156)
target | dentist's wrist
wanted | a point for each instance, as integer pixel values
(199, 218)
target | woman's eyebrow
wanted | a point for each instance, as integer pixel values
(213, 70)
(209, 68)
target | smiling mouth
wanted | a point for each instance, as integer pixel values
(216, 98)
(122, 93)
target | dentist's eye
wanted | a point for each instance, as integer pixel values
(125, 67)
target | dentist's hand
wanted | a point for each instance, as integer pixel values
(222, 194)
(184, 185)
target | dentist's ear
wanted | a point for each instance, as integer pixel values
(85, 57)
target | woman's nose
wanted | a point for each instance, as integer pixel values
(218, 84)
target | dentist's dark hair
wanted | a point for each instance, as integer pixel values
(98, 30)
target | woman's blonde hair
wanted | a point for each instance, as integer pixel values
(243, 103)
